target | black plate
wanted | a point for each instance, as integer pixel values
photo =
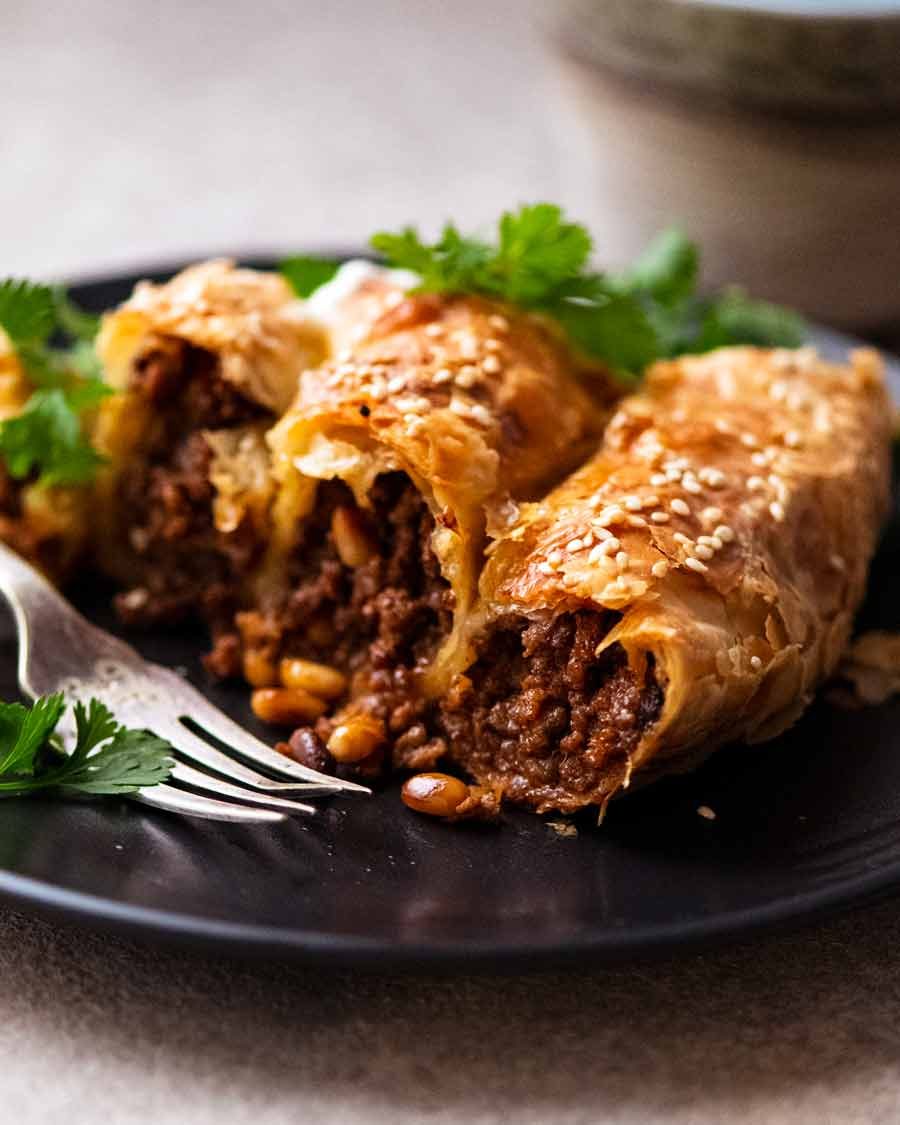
(804, 825)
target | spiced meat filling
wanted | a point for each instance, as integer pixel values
(368, 597)
(189, 568)
(544, 714)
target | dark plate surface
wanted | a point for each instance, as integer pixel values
(805, 825)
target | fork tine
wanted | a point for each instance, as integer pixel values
(179, 801)
(195, 749)
(195, 779)
(212, 721)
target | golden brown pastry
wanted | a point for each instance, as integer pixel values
(396, 463)
(689, 586)
(204, 364)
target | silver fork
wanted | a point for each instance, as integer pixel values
(59, 650)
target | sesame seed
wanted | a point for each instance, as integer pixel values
(777, 510)
(414, 424)
(703, 552)
(597, 554)
(659, 569)
(710, 515)
(792, 439)
(412, 404)
(749, 440)
(347, 369)
(344, 355)
(611, 514)
(659, 517)
(755, 663)
(715, 478)
(683, 539)
(545, 568)
(378, 390)
(622, 560)
(458, 406)
(755, 483)
(555, 558)
(632, 504)
(838, 563)
(467, 376)
(442, 375)
(480, 414)
(724, 532)
(696, 564)
(636, 521)
(707, 540)
(722, 426)
(433, 330)
(491, 364)
(674, 475)
(679, 507)
(600, 532)
(658, 479)
(611, 546)
(706, 812)
(760, 460)
(396, 384)
(492, 345)
(651, 501)
(776, 481)
(574, 545)
(569, 580)
(716, 543)
(691, 484)
(498, 322)
(777, 391)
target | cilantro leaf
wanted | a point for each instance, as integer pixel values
(733, 318)
(107, 759)
(80, 325)
(667, 270)
(307, 274)
(538, 251)
(23, 731)
(27, 314)
(617, 329)
(46, 437)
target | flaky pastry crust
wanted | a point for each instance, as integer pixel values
(477, 404)
(729, 520)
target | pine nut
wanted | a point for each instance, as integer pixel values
(435, 794)
(319, 679)
(352, 540)
(286, 707)
(357, 737)
(259, 670)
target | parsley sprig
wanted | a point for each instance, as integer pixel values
(540, 260)
(46, 438)
(107, 758)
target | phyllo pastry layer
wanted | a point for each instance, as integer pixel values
(690, 585)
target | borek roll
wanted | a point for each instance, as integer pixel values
(204, 364)
(689, 586)
(395, 465)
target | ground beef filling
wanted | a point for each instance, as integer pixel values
(189, 569)
(379, 620)
(545, 715)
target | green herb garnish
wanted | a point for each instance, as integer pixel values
(306, 274)
(46, 438)
(107, 759)
(540, 261)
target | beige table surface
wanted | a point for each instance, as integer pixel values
(183, 128)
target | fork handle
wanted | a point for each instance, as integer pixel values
(38, 607)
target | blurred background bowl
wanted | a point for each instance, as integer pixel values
(770, 131)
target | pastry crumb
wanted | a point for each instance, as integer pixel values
(869, 672)
(563, 828)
